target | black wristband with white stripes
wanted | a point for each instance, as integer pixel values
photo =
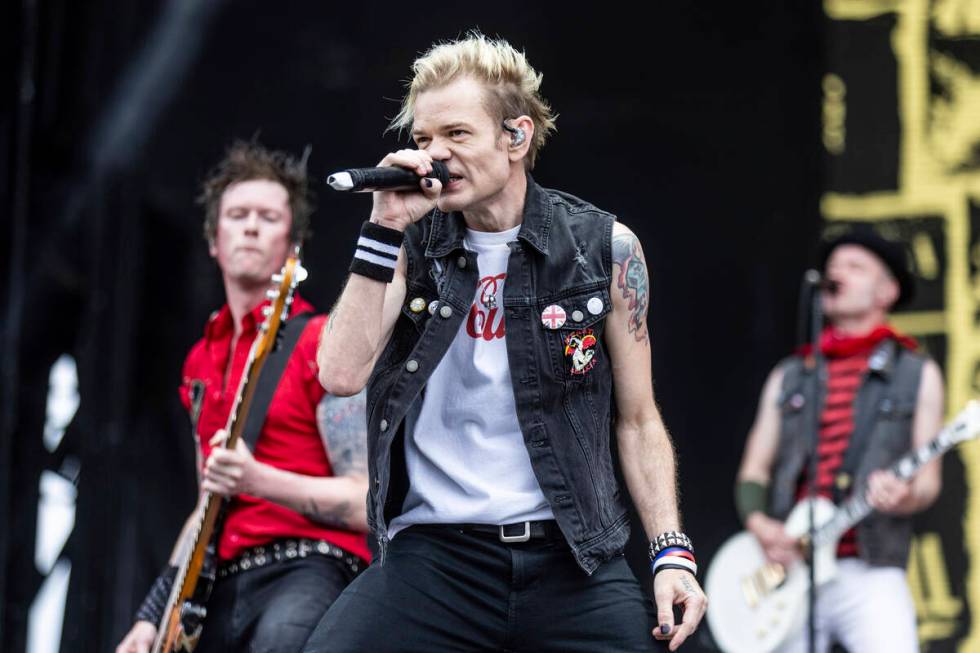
(377, 252)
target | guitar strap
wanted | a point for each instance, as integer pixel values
(272, 372)
(866, 410)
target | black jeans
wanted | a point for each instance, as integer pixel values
(272, 608)
(444, 590)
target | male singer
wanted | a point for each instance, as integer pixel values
(491, 319)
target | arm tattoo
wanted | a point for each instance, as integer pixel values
(343, 426)
(336, 517)
(328, 327)
(632, 281)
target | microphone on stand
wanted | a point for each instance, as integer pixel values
(365, 180)
(808, 286)
(813, 279)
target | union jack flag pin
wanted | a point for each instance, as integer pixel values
(553, 317)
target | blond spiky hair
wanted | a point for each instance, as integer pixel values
(512, 83)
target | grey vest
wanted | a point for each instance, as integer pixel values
(883, 410)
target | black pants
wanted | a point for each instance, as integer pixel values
(444, 590)
(272, 608)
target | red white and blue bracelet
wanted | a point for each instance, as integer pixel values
(672, 550)
(674, 558)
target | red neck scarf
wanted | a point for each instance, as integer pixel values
(834, 344)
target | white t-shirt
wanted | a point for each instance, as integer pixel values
(466, 457)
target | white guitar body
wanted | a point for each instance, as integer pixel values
(756, 606)
(753, 605)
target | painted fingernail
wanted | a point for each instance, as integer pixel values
(428, 182)
(664, 629)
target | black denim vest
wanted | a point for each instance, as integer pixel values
(562, 256)
(883, 410)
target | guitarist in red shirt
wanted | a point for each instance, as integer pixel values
(879, 398)
(293, 532)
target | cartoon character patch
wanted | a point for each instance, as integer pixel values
(580, 350)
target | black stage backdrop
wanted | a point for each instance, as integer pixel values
(698, 126)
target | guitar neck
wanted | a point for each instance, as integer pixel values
(210, 506)
(246, 389)
(856, 508)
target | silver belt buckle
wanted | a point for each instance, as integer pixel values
(523, 537)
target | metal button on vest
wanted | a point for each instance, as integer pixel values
(577, 316)
(446, 311)
(877, 362)
(594, 305)
(384, 425)
(461, 262)
(433, 305)
(412, 365)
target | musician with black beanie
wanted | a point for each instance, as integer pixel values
(879, 397)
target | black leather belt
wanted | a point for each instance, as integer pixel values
(523, 531)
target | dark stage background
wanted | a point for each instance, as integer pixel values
(699, 127)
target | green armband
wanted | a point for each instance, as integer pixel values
(750, 496)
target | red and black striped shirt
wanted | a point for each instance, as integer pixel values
(844, 377)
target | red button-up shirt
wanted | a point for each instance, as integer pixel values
(289, 440)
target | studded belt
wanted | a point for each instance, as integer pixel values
(281, 550)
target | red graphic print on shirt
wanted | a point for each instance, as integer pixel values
(486, 318)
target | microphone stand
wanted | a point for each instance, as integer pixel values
(812, 285)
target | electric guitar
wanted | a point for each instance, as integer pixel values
(180, 628)
(756, 604)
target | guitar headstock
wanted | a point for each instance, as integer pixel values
(965, 426)
(292, 274)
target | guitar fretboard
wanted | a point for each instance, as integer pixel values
(856, 508)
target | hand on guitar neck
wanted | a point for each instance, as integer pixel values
(230, 472)
(891, 495)
(771, 534)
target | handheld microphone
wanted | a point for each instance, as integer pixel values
(365, 180)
